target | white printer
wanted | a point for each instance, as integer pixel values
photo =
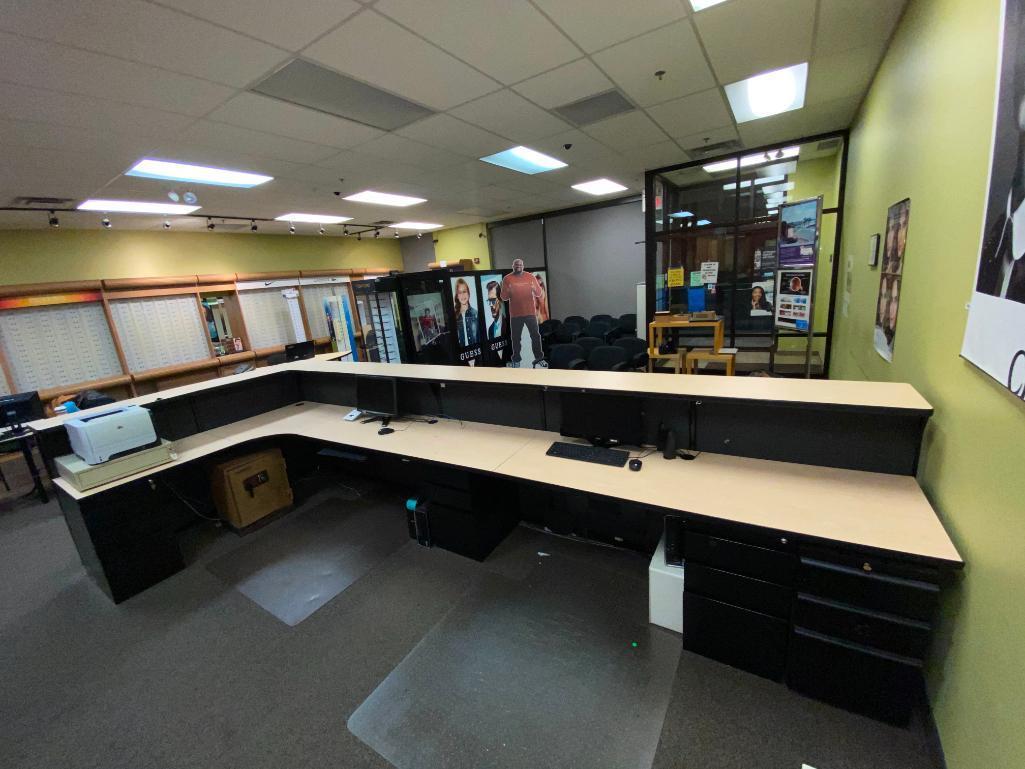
(111, 434)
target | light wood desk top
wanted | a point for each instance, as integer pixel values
(888, 512)
(821, 392)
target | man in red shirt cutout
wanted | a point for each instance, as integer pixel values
(520, 289)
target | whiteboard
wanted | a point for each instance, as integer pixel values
(160, 331)
(58, 345)
(267, 316)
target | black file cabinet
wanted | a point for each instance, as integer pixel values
(838, 624)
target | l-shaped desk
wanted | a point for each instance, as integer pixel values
(812, 555)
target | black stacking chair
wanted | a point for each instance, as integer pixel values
(597, 328)
(636, 350)
(567, 332)
(547, 330)
(567, 356)
(604, 318)
(608, 358)
(624, 325)
(580, 320)
(588, 343)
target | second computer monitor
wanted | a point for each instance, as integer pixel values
(605, 420)
(377, 395)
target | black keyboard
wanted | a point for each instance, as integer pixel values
(595, 454)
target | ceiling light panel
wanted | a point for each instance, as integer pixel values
(524, 160)
(313, 218)
(186, 172)
(599, 187)
(770, 93)
(421, 226)
(135, 207)
(752, 160)
(384, 199)
(700, 5)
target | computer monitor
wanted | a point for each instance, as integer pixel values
(20, 408)
(605, 420)
(377, 395)
(298, 351)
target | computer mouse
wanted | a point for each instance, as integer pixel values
(635, 464)
(385, 431)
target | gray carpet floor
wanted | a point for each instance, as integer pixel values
(192, 673)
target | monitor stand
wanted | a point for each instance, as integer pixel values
(383, 419)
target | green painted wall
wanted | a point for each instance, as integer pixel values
(463, 243)
(42, 256)
(924, 132)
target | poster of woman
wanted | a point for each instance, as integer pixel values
(467, 320)
(890, 278)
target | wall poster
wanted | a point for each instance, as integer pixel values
(525, 293)
(793, 299)
(496, 319)
(995, 335)
(466, 316)
(890, 277)
(798, 233)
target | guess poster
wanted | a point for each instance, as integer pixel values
(496, 319)
(995, 335)
(890, 278)
(467, 320)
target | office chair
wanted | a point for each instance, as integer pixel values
(608, 358)
(567, 356)
(636, 350)
(604, 319)
(276, 358)
(598, 328)
(580, 320)
(567, 332)
(627, 323)
(547, 329)
(588, 343)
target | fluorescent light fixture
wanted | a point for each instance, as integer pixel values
(772, 188)
(752, 160)
(770, 179)
(733, 185)
(700, 5)
(422, 226)
(385, 199)
(702, 222)
(769, 93)
(524, 160)
(772, 212)
(681, 215)
(599, 187)
(186, 172)
(135, 207)
(762, 180)
(313, 218)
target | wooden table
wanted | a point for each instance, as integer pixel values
(656, 336)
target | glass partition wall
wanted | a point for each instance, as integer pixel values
(726, 210)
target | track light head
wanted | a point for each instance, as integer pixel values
(322, 231)
(345, 231)
(167, 224)
(54, 221)
(252, 225)
(105, 222)
(377, 233)
(291, 229)
(396, 233)
(359, 236)
(210, 224)
(419, 235)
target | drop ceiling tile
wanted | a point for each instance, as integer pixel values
(711, 136)
(235, 138)
(272, 20)
(509, 114)
(510, 41)
(595, 24)
(363, 171)
(403, 150)
(655, 156)
(454, 135)
(378, 51)
(569, 83)
(747, 37)
(145, 33)
(95, 141)
(692, 114)
(278, 117)
(627, 131)
(50, 66)
(673, 49)
(810, 120)
(836, 75)
(844, 25)
(584, 149)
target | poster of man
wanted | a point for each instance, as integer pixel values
(467, 320)
(526, 296)
(995, 335)
(891, 277)
(496, 319)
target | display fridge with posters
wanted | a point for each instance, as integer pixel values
(379, 307)
(429, 317)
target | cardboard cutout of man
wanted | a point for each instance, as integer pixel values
(520, 289)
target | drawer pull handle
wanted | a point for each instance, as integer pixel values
(866, 566)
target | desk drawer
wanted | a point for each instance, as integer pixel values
(754, 594)
(909, 638)
(867, 589)
(857, 678)
(759, 562)
(744, 639)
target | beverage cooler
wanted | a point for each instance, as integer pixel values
(379, 306)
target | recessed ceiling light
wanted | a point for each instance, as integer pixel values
(313, 218)
(700, 5)
(752, 160)
(702, 222)
(599, 187)
(186, 172)
(770, 93)
(681, 215)
(524, 160)
(135, 207)
(384, 199)
(422, 226)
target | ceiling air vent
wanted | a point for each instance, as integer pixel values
(829, 145)
(384, 222)
(719, 148)
(309, 85)
(44, 203)
(595, 108)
